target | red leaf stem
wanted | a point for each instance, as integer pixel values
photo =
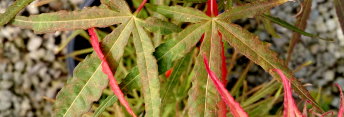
(212, 11)
(234, 106)
(290, 108)
(341, 107)
(141, 6)
(107, 70)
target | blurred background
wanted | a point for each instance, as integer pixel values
(33, 68)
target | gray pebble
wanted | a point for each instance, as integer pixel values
(34, 44)
(19, 66)
(329, 75)
(5, 84)
(331, 24)
(5, 99)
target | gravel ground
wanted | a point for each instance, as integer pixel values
(31, 73)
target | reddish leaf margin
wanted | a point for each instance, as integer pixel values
(107, 70)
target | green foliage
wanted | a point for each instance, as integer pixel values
(189, 90)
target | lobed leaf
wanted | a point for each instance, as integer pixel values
(249, 10)
(179, 13)
(88, 82)
(250, 46)
(148, 69)
(63, 20)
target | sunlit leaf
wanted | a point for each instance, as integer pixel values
(88, 81)
(148, 69)
(62, 20)
(249, 45)
(203, 97)
(179, 13)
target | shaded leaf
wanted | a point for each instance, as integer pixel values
(117, 5)
(154, 24)
(339, 5)
(131, 81)
(109, 101)
(250, 46)
(170, 95)
(177, 47)
(266, 90)
(241, 79)
(88, 82)
(148, 69)
(13, 10)
(249, 10)
(63, 20)
(179, 13)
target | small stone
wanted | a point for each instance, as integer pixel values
(321, 27)
(25, 106)
(34, 44)
(19, 66)
(340, 81)
(314, 48)
(5, 99)
(329, 75)
(340, 69)
(5, 84)
(335, 102)
(331, 24)
(43, 72)
(7, 76)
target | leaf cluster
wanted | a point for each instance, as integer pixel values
(167, 39)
